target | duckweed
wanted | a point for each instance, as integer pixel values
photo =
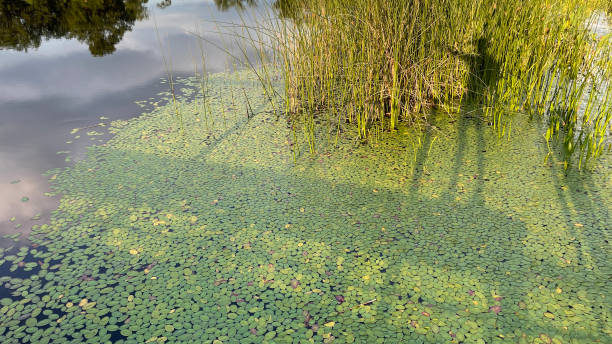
(216, 234)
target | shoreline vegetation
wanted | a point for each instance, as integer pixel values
(376, 64)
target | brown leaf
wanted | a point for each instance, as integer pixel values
(495, 309)
(340, 299)
(294, 283)
(307, 318)
(253, 331)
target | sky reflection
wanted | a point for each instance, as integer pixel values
(46, 92)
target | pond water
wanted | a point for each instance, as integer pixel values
(195, 222)
(61, 85)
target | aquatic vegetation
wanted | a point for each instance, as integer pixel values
(374, 64)
(214, 234)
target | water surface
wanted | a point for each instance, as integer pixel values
(70, 71)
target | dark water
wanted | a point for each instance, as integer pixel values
(64, 66)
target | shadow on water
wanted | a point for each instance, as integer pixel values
(500, 250)
(224, 238)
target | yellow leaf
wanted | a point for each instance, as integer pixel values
(82, 303)
(133, 251)
(88, 305)
(549, 315)
(330, 324)
(69, 304)
(558, 290)
(578, 225)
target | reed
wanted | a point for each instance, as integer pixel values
(374, 65)
(167, 62)
(203, 83)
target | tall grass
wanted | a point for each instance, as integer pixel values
(167, 62)
(373, 64)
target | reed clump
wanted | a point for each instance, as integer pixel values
(377, 63)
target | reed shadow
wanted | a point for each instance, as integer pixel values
(279, 243)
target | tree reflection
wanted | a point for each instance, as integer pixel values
(224, 5)
(100, 24)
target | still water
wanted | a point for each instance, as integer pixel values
(76, 65)
(219, 234)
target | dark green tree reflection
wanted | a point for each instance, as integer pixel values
(100, 24)
(224, 5)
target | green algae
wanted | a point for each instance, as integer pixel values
(215, 234)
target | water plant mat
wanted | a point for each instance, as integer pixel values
(212, 233)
